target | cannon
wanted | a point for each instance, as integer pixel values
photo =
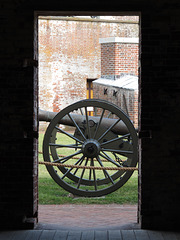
(90, 147)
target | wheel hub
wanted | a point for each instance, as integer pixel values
(91, 148)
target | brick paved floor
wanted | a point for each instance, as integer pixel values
(81, 217)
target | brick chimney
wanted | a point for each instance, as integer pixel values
(119, 56)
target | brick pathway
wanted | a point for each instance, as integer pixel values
(95, 217)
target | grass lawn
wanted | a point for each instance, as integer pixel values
(51, 193)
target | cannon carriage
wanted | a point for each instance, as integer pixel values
(97, 154)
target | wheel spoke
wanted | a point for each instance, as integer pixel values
(94, 174)
(87, 123)
(95, 111)
(109, 159)
(68, 171)
(115, 139)
(82, 174)
(90, 170)
(99, 123)
(76, 125)
(110, 113)
(95, 182)
(79, 165)
(68, 134)
(109, 129)
(100, 163)
(64, 159)
(81, 111)
(121, 152)
(105, 171)
(62, 145)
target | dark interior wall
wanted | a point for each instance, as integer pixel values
(159, 108)
(18, 131)
(160, 96)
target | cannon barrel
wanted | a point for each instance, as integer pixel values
(120, 128)
(46, 116)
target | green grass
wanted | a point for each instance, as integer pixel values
(52, 193)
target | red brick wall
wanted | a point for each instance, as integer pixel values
(118, 58)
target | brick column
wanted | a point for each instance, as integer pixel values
(119, 56)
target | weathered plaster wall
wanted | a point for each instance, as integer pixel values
(69, 54)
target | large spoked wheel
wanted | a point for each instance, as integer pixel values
(100, 135)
